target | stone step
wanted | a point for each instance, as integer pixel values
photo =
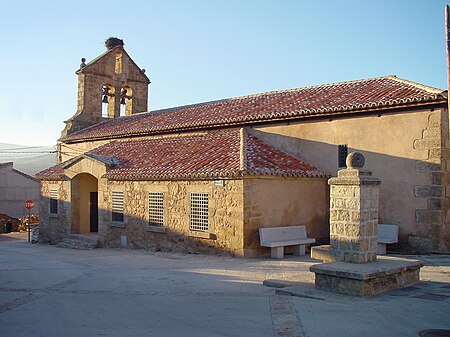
(75, 241)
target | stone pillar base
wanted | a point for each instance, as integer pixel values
(368, 279)
(322, 253)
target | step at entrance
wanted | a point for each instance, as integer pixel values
(80, 241)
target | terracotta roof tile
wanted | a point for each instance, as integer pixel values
(230, 153)
(336, 98)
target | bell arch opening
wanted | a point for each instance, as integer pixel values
(108, 98)
(126, 101)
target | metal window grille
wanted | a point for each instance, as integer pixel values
(54, 201)
(117, 206)
(199, 219)
(342, 155)
(156, 209)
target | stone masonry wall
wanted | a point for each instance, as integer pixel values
(225, 234)
(54, 227)
(432, 226)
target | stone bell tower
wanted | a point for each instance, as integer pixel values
(109, 86)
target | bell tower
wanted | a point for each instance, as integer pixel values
(109, 86)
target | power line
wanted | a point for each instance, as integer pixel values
(25, 148)
(27, 152)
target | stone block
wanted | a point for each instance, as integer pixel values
(427, 216)
(375, 192)
(354, 230)
(430, 143)
(427, 191)
(340, 229)
(338, 202)
(344, 244)
(365, 216)
(373, 244)
(360, 245)
(356, 216)
(436, 178)
(434, 119)
(372, 256)
(365, 192)
(354, 257)
(374, 215)
(341, 191)
(369, 229)
(434, 155)
(353, 203)
(420, 243)
(367, 203)
(435, 203)
(427, 166)
(431, 133)
(339, 215)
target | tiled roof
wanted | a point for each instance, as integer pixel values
(328, 99)
(229, 153)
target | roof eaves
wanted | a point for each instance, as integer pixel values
(296, 114)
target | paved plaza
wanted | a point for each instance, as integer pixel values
(50, 291)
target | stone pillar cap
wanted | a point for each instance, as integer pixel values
(355, 160)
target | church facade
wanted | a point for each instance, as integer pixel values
(206, 177)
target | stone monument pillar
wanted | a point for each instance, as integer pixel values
(354, 212)
(355, 269)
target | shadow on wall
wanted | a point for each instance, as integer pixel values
(132, 233)
(411, 192)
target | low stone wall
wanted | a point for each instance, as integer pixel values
(225, 233)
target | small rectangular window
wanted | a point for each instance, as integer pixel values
(118, 66)
(156, 209)
(54, 201)
(199, 216)
(117, 206)
(342, 155)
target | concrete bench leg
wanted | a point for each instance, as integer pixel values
(277, 252)
(381, 248)
(299, 250)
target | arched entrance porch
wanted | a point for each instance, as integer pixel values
(84, 210)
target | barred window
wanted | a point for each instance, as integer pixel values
(342, 155)
(117, 206)
(199, 212)
(156, 209)
(54, 201)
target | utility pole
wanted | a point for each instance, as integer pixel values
(447, 47)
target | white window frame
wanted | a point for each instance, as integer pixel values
(54, 194)
(156, 209)
(117, 206)
(199, 211)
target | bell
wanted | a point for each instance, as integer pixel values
(105, 99)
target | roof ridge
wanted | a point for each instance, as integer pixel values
(310, 87)
(417, 85)
(323, 85)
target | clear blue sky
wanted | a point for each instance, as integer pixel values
(196, 51)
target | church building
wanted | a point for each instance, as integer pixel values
(205, 177)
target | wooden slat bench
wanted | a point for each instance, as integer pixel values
(278, 237)
(386, 234)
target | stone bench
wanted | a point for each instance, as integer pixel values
(386, 234)
(278, 237)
